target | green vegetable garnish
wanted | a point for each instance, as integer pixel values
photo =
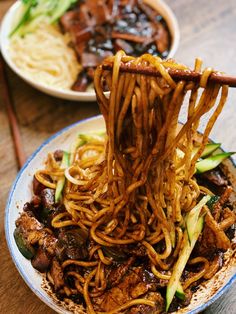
(35, 12)
(61, 182)
(26, 249)
(187, 248)
(211, 162)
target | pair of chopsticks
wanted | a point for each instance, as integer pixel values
(177, 75)
(7, 99)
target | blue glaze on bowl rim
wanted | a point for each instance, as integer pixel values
(24, 275)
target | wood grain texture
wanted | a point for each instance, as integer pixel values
(207, 30)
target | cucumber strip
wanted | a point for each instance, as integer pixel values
(209, 149)
(61, 8)
(192, 216)
(211, 162)
(36, 11)
(61, 182)
(182, 261)
(180, 292)
(24, 17)
(92, 137)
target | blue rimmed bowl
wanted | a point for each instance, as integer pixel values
(21, 192)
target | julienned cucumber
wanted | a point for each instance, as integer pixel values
(211, 162)
(91, 137)
(37, 11)
(26, 8)
(209, 149)
(182, 261)
(192, 216)
(62, 6)
(61, 182)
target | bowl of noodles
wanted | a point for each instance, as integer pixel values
(129, 212)
(63, 64)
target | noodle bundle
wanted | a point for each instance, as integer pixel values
(45, 57)
(136, 186)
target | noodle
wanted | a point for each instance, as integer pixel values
(44, 56)
(137, 186)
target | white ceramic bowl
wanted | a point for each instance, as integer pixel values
(6, 26)
(21, 193)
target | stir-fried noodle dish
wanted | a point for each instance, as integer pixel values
(134, 219)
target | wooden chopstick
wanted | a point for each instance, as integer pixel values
(177, 75)
(6, 95)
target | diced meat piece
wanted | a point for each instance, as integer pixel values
(147, 10)
(117, 273)
(217, 208)
(37, 186)
(41, 260)
(216, 177)
(228, 219)
(36, 201)
(57, 274)
(119, 294)
(90, 73)
(81, 83)
(133, 284)
(29, 209)
(89, 60)
(74, 243)
(162, 39)
(138, 250)
(33, 233)
(222, 241)
(27, 223)
(95, 12)
(129, 37)
(212, 239)
(206, 245)
(48, 242)
(44, 239)
(123, 45)
(58, 155)
(48, 198)
(67, 20)
(82, 35)
(140, 289)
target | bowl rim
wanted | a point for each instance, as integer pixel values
(23, 274)
(170, 19)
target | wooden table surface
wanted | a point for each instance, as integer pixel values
(208, 30)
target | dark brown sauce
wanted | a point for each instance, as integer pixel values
(101, 28)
